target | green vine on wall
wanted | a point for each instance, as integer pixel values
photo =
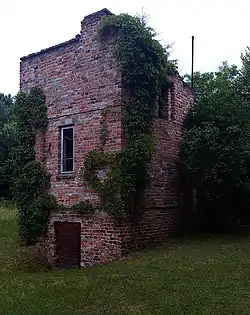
(144, 66)
(30, 182)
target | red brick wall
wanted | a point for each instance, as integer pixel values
(80, 79)
(163, 196)
(163, 189)
(104, 239)
(101, 239)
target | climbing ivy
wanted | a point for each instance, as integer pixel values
(82, 207)
(30, 182)
(144, 67)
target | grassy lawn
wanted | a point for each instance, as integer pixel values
(185, 276)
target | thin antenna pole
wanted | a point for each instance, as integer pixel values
(192, 70)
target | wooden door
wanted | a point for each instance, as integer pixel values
(67, 244)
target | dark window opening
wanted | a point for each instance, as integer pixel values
(67, 150)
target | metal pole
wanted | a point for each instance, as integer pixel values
(192, 71)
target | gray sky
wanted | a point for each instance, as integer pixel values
(220, 28)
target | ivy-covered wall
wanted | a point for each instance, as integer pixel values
(81, 80)
(113, 106)
(90, 84)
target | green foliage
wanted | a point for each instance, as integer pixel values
(244, 74)
(144, 66)
(30, 184)
(214, 155)
(29, 181)
(6, 118)
(83, 207)
(30, 117)
(34, 216)
(134, 162)
(6, 107)
(96, 160)
(31, 109)
(106, 185)
(114, 206)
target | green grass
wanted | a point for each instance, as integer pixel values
(185, 276)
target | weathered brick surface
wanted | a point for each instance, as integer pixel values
(81, 78)
(104, 239)
(100, 238)
(163, 191)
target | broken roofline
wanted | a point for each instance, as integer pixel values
(91, 18)
(87, 19)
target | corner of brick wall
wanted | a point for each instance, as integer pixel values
(101, 238)
(80, 79)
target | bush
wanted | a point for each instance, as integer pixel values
(32, 182)
(83, 207)
(33, 218)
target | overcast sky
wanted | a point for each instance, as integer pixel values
(220, 28)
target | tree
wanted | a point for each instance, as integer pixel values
(214, 156)
(6, 125)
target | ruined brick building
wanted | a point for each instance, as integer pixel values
(80, 79)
